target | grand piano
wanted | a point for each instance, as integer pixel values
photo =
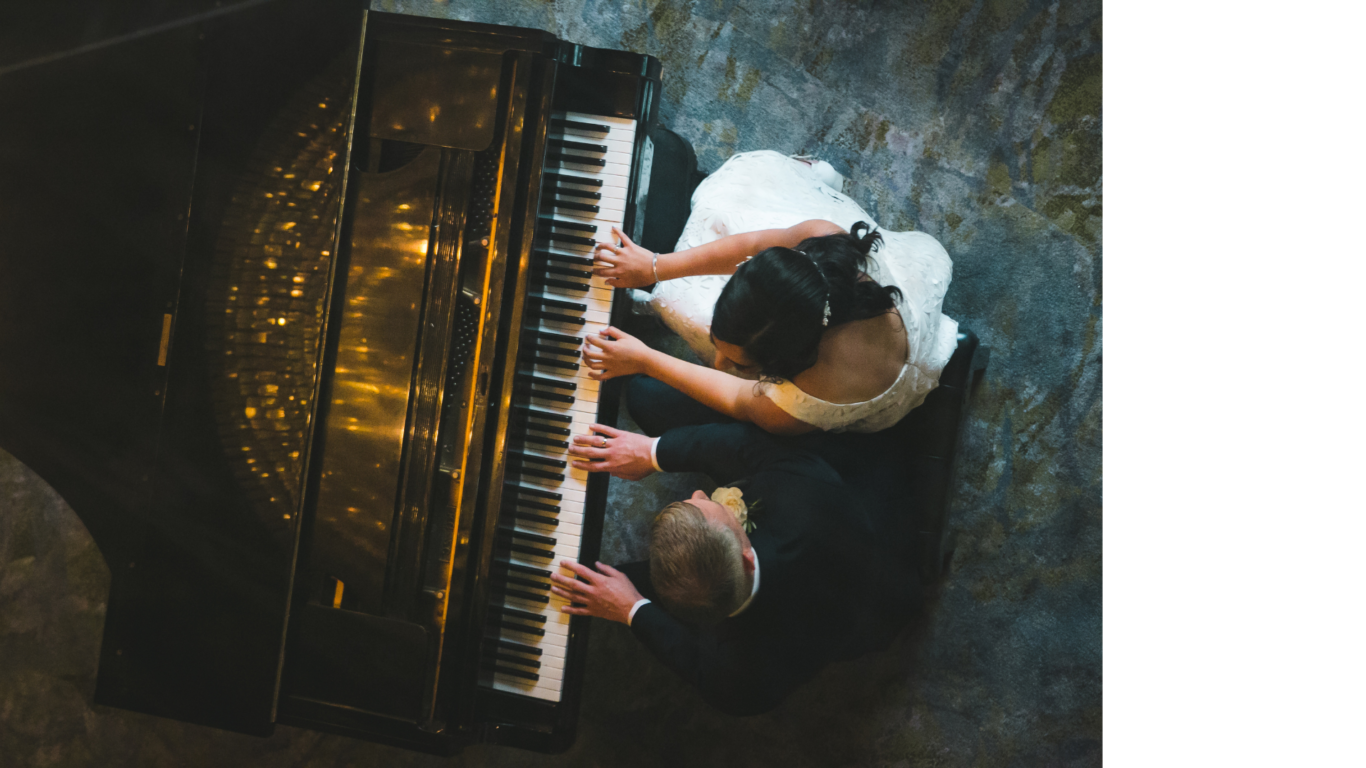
(289, 302)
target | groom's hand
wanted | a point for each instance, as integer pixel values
(623, 454)
(606, 593)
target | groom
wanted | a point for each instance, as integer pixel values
(746, 617)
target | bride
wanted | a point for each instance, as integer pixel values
(779, 278)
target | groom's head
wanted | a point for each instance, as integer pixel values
(700, 560)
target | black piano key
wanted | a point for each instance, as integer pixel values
(529, 550)
(525, 426)
(550, 349)
(560, 158)
(547, 415)
(530, 518)
(533, 537)
(573, 341)
(526, 471)
(570, 205)
(567, 259)
(536, 505)
(549, 363)
(557, 237)
(507, 565)
(554, 270)
(518, 647)
(522, 628)
(540, 506)
(537, 439)
(558, 303)
(553, 349)
(537, 492)
(555, 317)
(582, 194)
(582, 146)
(502, 670)
(534, 459)
(530, 426)
(532, 583)
(546, 222)
(569, 178)
(550, 282)
(508, 657)
(517, 613)
(565, 123)
(542, 394)
(520, 595)
(530, 379)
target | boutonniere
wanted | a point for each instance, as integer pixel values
(732, 499)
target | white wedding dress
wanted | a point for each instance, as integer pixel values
(768, 190)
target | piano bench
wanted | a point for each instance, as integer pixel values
(673, 177)
(927, 440)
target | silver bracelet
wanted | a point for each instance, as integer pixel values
(654, 264)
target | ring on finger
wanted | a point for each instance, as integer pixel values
(604, 443)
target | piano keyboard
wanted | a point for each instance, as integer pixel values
(586, 174)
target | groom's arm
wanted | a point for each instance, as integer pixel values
(719, 674)
(724, 452)
(607, 593)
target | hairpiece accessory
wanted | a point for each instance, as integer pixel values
(825, 318)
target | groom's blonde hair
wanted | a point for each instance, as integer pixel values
(695, 567)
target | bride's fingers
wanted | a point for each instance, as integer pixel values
(625, 241)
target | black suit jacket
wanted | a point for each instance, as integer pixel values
(828, 589)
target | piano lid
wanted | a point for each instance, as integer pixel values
(167, 219)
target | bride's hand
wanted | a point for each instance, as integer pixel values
(613, 353)
(629, 265)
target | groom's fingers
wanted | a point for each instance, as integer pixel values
(586, 573)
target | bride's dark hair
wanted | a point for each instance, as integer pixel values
(774, 304)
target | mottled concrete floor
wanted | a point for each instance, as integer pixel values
(977, 122)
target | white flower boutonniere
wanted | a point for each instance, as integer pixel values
(732, 499)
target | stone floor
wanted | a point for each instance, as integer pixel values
(977, 122)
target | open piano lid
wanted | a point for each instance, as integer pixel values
(168, 209)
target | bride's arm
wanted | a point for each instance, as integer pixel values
(614, 353)
(721, 257)
(630, 266)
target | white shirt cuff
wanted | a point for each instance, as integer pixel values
(632, 615)
(654, 459)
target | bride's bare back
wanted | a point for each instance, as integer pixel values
(857, 361)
